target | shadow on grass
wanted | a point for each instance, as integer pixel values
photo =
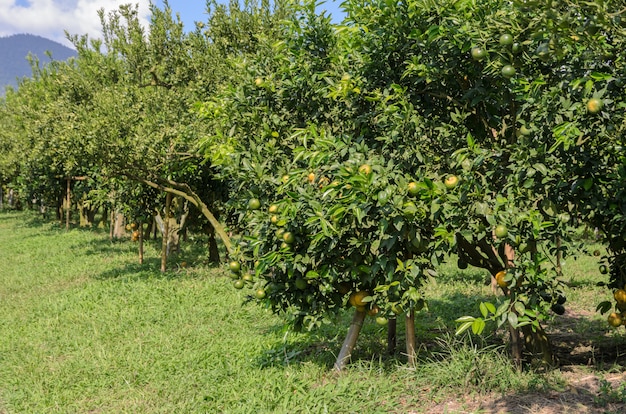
(191, 257)
(322, 345)
(578, 339)
(151, 269)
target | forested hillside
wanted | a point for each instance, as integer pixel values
(15, 49)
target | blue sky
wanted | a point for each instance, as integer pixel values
(194, 10)
(51, 18)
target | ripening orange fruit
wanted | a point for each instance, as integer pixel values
(500, 279)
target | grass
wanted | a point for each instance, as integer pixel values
(85, 329)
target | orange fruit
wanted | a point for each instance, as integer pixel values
(501, 231)
(381, 320)
(365, 169)
(288, 237)
(594, 105)
(620, 296)
(451, 181)
(500, 279)
(234, 267)
(615, 319)
(254, 204)
(356, 298)
(373, 310)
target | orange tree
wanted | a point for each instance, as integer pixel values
(525, 99)
(332, 210)
(502, 114)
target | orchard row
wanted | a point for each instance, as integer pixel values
(341, 164)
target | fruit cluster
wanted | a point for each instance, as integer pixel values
(240, 279)
(618, 318)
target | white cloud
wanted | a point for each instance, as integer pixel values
(50, 18)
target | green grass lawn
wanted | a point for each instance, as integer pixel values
(85, 329)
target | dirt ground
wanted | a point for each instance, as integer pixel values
(592, 371)
(582, 395)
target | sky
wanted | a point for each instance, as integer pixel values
(51, 18)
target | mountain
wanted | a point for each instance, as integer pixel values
(14, 50)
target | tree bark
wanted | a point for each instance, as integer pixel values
(559, 257)
(112, 224)
(165, 241)
(119, 223)
(140, 230)
(68, 204)
(350, 341)
(391, 336)
(214, 253)
(516, 347)
(86, 213)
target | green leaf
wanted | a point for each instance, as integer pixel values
(490, 307)
(604, 307)
(465, 319)
(464, 327)
(483, 309)
(312, 274)
(478, 326)
(374, 247)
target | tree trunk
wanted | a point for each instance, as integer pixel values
(214, 253)
(119, 223)
(391, 335)
(104, 218)
(183, 190)
(68, 204)
(559, 257)
(165, 241)
(173, 225)
(176, 227)
(516, 347)
(140, 230)
(112, 225)
(86, 213)
(350, 341)
(538, 345)
(150, 227)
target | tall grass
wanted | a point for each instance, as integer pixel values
(85, 329)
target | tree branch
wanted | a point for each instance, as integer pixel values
(183, 190)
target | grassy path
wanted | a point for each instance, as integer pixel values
(84, 329)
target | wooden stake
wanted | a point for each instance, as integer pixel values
(410, 338)
(350, 341)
